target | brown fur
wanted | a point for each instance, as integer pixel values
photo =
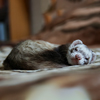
(36, 55)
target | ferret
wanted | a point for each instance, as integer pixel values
(38, 54)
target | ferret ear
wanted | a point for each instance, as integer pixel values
(93, 57)
(76, 42)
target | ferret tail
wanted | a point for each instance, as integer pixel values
(6, 65)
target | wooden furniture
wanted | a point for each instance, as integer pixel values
(26, 17)
(19, 20)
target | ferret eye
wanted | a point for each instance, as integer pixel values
(76, 49)
(87, 58)
(71, 50)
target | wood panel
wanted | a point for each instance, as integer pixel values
(1, 3)
(19, 19)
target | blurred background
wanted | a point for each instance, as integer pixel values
(56, 21)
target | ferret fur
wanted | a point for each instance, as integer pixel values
(38, 54)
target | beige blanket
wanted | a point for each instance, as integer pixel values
(74, 82)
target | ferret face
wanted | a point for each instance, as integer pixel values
(80, 54)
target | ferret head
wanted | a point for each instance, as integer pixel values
(80, 54)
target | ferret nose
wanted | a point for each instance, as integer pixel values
(78, 57)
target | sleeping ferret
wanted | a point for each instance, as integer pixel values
(33, 55)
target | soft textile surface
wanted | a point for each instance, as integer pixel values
(53, 84)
